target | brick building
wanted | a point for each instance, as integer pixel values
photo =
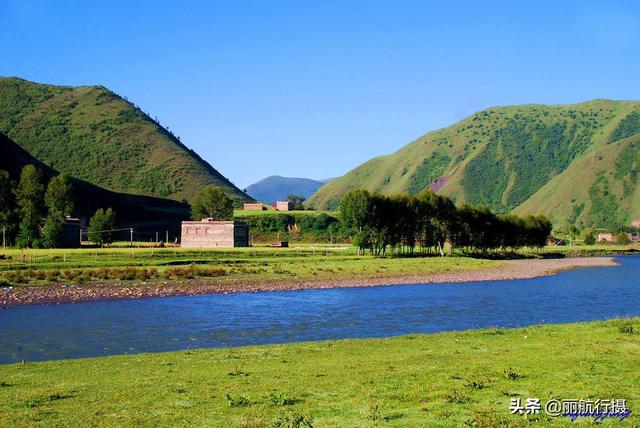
(283, 205)
(214, 234)
(253, 207)
(606, 237)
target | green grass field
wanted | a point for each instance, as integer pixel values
(38, 267)
(449, 379)
(303, 262)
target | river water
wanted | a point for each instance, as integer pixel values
(34, 333)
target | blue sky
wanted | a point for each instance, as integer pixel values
(313, 89)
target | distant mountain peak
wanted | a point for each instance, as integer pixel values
(276, 187)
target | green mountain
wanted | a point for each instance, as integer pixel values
(93, 134)
(576, 163)
(276, 188)
(144, 213)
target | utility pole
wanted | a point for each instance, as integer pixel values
(131, 233)
(156, 237)
(166, 239)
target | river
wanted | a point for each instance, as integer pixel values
(34, 333)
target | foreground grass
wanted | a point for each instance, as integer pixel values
(448, 379)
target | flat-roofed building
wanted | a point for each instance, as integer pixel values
(606, 237)
(283, 205)
(253, 207)
(209, 233)
(71, 236)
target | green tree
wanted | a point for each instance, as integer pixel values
(589, 238)
(30, 198)
(356, 213)
(8, 208)
(622, 238)
(59, 202)
(212, 202)
(297, 201)
(573, 232)
(101, 226)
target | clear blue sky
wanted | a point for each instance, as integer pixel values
(313, 89)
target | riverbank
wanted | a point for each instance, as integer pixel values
(448, 379)
(431, 270)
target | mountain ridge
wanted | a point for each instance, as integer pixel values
(276, 187)
(94, 134)
(144, 213)
(502, 156)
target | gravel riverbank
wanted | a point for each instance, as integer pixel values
(61, 293)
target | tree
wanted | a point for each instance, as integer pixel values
(59, 195)
(59, 202)
(622, 238)
(573, 232)
(101, 226)
(212, 202)
(589, 238)
(356, 214)
(8, 208)
(296, 201)
(443, 222)
(29, 195)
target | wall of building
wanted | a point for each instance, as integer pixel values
(283, 205)
(70, 235)
(253, 207)
(214, 234)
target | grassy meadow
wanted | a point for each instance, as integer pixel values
(39, 267)
(304, 262)
(440, 380)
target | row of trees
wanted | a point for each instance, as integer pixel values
(428, 221)
(32, 213)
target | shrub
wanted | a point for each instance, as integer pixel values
(456, 398)
(511, 374)
(239, 401)
(52, 275)
(625, 328)
(622, 239)
(70, 275)
(291, 420)
(589, 239)
(280, 399)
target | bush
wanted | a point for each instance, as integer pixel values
(622, 239)
(239, 401)
(589, 239)
(291, 420)
(625, 329)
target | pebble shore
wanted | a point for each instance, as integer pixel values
(65, 293)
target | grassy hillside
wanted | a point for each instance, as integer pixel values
(91, 133)
(274, 188)
(523, 158)
(144, 213)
